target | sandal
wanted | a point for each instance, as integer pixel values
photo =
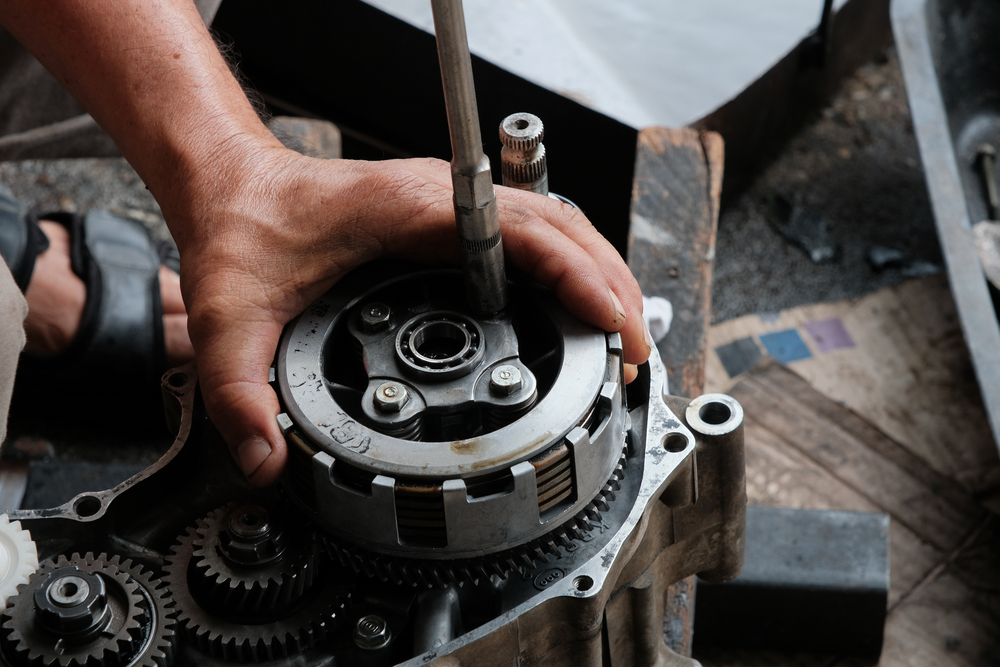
(119, 346)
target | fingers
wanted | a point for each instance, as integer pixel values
(559, 247)
(235, 346)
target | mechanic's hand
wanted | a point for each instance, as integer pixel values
(271, 237)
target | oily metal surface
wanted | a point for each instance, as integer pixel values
(311, 407)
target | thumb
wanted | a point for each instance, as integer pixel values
(233, 360)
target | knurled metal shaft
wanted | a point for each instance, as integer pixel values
(522, 158)
(475, 199)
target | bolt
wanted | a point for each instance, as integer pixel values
(249, 537)
(505, 380)
(375, 317)
(372, 633)
(391, 396)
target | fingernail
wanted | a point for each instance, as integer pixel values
(251, 453)
(619, 309)
(646, 335)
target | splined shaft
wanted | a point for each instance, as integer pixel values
(522, 158)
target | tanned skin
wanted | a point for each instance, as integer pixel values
(263, 231)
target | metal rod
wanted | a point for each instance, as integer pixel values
(475, 200)
(987, 162)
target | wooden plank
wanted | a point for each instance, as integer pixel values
(907, 373)
(671, 251)
(946, 621)
(944, 601)
(779, 475)
(928, 503)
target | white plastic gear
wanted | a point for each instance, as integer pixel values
(18, 558)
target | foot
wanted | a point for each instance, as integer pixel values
(56, 297)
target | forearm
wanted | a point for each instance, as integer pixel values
(150, 74)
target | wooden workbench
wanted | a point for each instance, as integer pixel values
(671, 251)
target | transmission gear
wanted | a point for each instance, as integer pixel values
(248, 561)
(18, 558)
(221, 603)
(431, 573)
(89, 611)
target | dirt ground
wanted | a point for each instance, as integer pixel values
(857, 167)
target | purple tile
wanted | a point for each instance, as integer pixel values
(829, 334)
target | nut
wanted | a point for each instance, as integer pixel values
(375, 317)
(372, 633)
(391, 397)
(71, 602)
(505, 380)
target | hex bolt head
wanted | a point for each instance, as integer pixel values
(505, 380)
(250, 537)
(375, 317)
(372, 633)
(391, 396)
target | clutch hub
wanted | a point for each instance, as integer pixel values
(456, 435)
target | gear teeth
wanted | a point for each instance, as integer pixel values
(144, 638)
(243, 640)
(435, 573)
(243, 589)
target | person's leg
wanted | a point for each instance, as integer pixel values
(13, 310)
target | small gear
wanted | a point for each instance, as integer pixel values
(254, 633)
(437, 573)
(18, 558)
(248, 561)
(89, 611)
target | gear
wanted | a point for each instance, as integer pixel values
(437, 573)
(247, 561)
(255, 633)
(89, 611)
(18, 558)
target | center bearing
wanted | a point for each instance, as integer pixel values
(440, 345)
(512, 426)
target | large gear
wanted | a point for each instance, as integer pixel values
(248, 636)
(89, 611)
(434, 573)
(248, 562)
(18, 558)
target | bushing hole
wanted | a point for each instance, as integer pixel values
(440, 340)
(521, 124)
(583, 583)
(675, 442)
(715, 413)
(177, 380)
(87, 506)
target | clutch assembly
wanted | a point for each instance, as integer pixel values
(470, 482)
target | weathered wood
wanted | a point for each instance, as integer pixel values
(675, 210)
(310, 136)
(837, 441)
(906, 371)
(671, 248)
(806, 450)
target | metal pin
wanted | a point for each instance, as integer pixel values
(475, 199)
(986, 156)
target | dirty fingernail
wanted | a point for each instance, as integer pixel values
(647, 336)
(619, 309)
(251, 453)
